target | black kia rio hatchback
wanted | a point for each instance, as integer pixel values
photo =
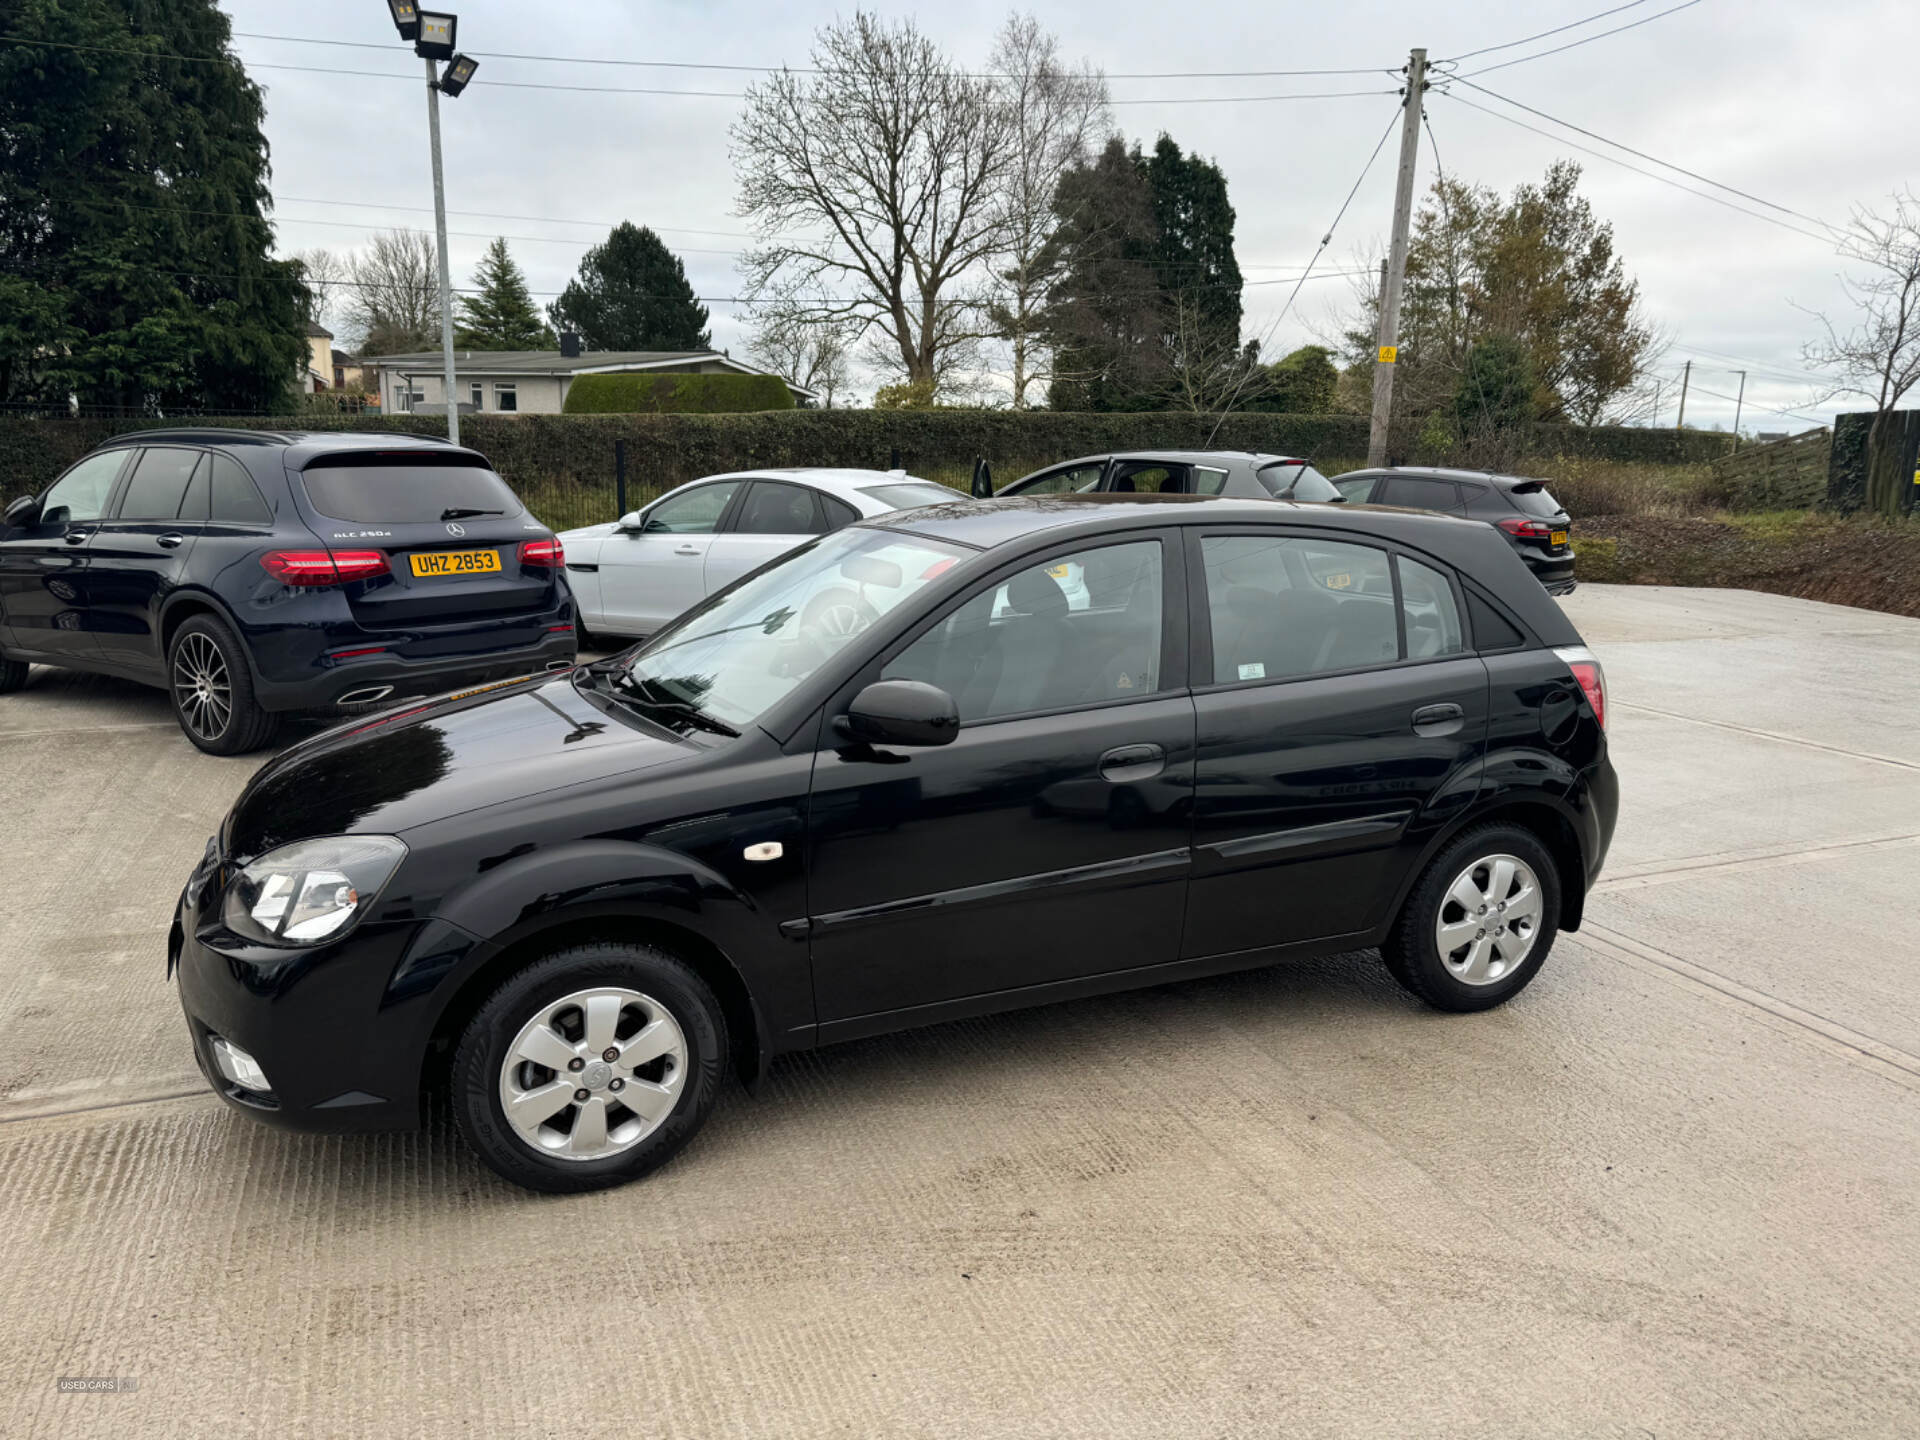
(937, 764)
(251, 573)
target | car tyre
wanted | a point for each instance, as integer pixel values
(13, 675)
(211, 686)
(598, 999)
(1479, 922)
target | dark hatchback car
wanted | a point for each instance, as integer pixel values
(253, 573)
(1520, 508)
(1237, 474)
(1247, 731)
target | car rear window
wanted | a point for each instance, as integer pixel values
(910, 494)
(1301, 479)
(407, 494)
(1534, 499)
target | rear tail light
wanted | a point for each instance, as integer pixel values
(1593, 679)
(1526, 529)
(309, 568)
(546, 554)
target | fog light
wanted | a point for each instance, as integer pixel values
(238, 1066)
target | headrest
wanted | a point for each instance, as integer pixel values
(1034, 592)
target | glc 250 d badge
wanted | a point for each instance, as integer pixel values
(456, 530)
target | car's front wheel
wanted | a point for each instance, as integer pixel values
(13, 675)
(1480, 920)
(212, 690)
(590, 1068)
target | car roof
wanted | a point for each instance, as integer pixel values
(846, 484)
(331, 439)
(1440, 472)
(1183, 457)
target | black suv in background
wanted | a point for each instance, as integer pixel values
(251, 573)
(1522, 509)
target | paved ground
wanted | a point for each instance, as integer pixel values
(1672, 1190)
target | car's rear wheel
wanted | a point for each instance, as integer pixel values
(1480, 920)
(13, 675)
(212, 690)
(590, 1068)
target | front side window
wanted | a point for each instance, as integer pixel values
(694, 512)
(1284, 606)
(736, 656)
(159, 484)
(82, 493)
(776, 509)
(506, 397)
(1433, 615)
(1070, 480)
(1076, 630)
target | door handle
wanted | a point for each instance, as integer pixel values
(170, 541)
(79, 537)
(1125, 764)
(1437, 720)
(687, 550)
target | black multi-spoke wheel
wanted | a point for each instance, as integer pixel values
(212, 690)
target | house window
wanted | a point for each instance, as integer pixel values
(407, 399)
(479, 391)
(506, 397)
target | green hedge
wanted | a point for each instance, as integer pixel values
(677, 394)
(564, 464)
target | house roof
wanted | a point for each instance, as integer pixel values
(318, 332)
(552, 362)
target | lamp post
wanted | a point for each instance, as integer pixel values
(432, 33)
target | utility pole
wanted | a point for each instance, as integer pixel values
(1656, 401)
(1389, 338)
(440, 228)
(1685, 376)
(1738, 400)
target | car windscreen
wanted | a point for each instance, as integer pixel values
(911, 494)
(407, 494)
(1534, 498)
(1297, 480)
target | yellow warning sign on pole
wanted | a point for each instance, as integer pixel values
(1389, 354)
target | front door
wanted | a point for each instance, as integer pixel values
(650, 575)
(1049, 841)
(1341, 722)
(140, 554)
(43, 567)
(771, 519)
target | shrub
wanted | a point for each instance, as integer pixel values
(676, 394)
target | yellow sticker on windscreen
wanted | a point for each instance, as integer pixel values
(1339, 580)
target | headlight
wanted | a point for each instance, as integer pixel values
(312, 890)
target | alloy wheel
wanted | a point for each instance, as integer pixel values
(203, 687)
(593, 1073)
(1489, 920)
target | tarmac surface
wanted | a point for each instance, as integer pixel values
(1673, 1189)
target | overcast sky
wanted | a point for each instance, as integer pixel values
(1809, 107)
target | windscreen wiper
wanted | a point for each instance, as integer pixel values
(465, 512)
(651, 692)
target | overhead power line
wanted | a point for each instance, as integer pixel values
(1586, 39)
(1755, 405)
(1558, 29)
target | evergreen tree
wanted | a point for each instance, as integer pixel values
(502, 316)
(1302, 383)
(1193, 256)
(135, 263)
(632, 294)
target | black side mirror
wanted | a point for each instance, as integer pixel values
(24, 512)
(900, 712)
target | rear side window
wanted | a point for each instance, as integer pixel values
(159, 483)
(1209, 481)
(775, 509)
(235, 499)
(1433, 615)
(1534, 500)
(1283, 607)
(1491, 629)
(404, 494)
(911, 494)
(1417, 493)
(1297, 482)
(839, 513)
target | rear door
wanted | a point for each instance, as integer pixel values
(1341, 723)
(772, 518)
(141, 553)
(43, 567)
(449, 529)
(650, 575)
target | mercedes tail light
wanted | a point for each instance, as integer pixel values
(311, 568)
(543, 554)
(1593, 680)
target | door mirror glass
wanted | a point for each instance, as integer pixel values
(901, 712)
(23, 512)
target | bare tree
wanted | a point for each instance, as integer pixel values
(815, 354)
(324, 273)
(1056, 115)
(895, 157)
(395, 301)
(1879, 358)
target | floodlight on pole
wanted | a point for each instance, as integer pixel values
(435, 40)
(456, 76)
(406, 17)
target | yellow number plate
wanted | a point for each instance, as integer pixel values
(1557, 537)
(456, 562)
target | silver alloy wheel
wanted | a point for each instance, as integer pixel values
(593, 1073)
(203, 687)
(1489, 919)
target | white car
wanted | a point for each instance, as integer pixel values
(633, 575)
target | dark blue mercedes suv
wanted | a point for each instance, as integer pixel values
(252, 573)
